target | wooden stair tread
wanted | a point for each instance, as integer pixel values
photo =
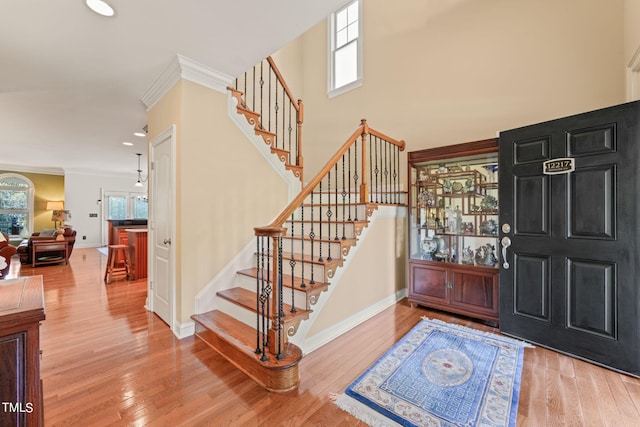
(247, 299)
(242, 336)
(237, 342)
(286, 279)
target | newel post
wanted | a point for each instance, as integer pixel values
(364, 187)
(275, 338)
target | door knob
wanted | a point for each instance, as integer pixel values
(167, 241)
(505, 242)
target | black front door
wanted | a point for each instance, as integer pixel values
(570, 279)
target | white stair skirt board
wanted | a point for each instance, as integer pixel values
(308, 344)
(248, 130)
(206, 299)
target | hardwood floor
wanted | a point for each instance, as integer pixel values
(107, 361)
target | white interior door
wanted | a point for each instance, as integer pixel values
(162, 281)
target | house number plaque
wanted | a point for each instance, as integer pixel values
(559, 166)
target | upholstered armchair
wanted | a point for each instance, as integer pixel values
(6, 252)
(25, 247)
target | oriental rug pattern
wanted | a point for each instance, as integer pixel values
(440, 374)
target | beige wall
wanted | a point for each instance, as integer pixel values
(438, 73)
(225, 187)
(376, 271)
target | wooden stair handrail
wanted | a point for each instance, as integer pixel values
(298, 106)
(278, 74)
(362, 130)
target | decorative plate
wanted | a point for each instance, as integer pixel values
(457, 187)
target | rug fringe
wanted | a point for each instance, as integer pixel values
(362, 412)
(483, 333)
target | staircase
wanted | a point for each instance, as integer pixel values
(298, 254)
(265, 100)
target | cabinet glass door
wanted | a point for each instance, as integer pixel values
(454, 210)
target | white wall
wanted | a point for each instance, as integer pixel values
(82, 198)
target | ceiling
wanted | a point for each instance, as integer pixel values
(71, 81)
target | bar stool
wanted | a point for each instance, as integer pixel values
(112, 261)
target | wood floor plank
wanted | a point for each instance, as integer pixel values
(108, 362)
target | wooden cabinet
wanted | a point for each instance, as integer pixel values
(137, 240)
(21, 311)
(453, 229)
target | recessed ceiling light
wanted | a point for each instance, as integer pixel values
(127, 143)
(140, 134)
(100, 7)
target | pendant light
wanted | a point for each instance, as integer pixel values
(140, 180)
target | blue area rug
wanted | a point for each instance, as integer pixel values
(440, 374)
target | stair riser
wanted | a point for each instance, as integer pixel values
(319, 274)
(328, 231)
(239, 313)
(249, 283)
(358, 212)
(332, 248)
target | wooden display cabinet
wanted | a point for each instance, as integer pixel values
(453, 229)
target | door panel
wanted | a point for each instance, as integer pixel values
(474, 291)
(592, 297)
(586, 142)
(592, 204)
(572, 282)
(430, 282)
(532, 286)
(532, 205)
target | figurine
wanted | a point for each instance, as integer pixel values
(458, 213)
(467, 255)
(485, 255)
(447, 186)
(468, 186)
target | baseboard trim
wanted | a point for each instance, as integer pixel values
(351, 322)
(184, 330)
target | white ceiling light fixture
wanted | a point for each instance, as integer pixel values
(129, 144)
(139, 134)
(100, 7)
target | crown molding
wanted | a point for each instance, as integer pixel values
(32, 169)
(184, 68)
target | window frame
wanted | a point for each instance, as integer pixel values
(30, 203)
(331, 51)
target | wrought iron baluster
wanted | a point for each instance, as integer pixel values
(312, 236)
(329, 214)
(259, 287)
(336, 193)
(253, 91)
(349, 181)
(302, 284)
(370, 168)
(344, 201)
(320, 223)
(395, 175)
(289, 129)
(292, 263)
(269, 99)
(262, 94)
(377, 170)
(355, 180)
(281, 314)
(276, 108)
(386, 171)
